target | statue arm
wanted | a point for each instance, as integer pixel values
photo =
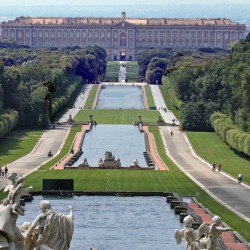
(224, 229)
(71, 212)
(34, 224)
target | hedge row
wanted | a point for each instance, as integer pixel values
(229, 133)
(8, 120)
(61, 101)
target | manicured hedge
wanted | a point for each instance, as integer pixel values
(8, 121)
(231, 134)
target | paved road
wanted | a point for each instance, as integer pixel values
(160, 104)
(222, 187)
(52, 139)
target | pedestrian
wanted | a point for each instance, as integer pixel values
(219, 167)
(6, 171)
(240, 178)
(1, 172)
(214, 166)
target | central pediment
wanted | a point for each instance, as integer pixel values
(123, 25)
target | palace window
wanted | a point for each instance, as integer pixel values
(19, 34)
(90, 34)
(52, 34)
(46, 34)
(59, 34)
(123, 39)
(65, 34)
(12, 33)
(5, 33)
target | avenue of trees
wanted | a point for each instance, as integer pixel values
(36, 83)
(211, 89)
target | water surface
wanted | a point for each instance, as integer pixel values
(116, 223)
(125, 141)
(120, 97)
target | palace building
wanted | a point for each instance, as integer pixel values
(123, 38)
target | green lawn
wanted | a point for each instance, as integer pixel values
(112, 71)
(114, 116)
(91, 97)
(209, 146)
(17, 144)
(150, 99)
(132, 71)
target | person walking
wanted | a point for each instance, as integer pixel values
(240, 178)
(219, 167)
(214, 167)
(1, 172)
(6, 171)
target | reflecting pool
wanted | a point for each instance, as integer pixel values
(120, 97)
(116, 223)
(125, 141)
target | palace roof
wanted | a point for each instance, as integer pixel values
(110, 21)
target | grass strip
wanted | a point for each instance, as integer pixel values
(209, 146)
(132, 71)
(151, 103)
(17, 144)
(91, 97)
(114, 116)
(112, 71)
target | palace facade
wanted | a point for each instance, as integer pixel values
(123, 38)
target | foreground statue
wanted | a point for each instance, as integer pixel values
(204, 238)
(50, 230)
(10, 235)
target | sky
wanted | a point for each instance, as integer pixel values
(118, 2)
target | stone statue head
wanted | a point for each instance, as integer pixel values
(25, 226)
(216, 219)
(45, 205)
(188, 221)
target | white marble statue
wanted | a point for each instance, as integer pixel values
(212, 233)
(186, 232)
(50, 230)
(204, 238)
(10, 236)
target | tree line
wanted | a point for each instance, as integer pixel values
(36, 83)
(205, 82)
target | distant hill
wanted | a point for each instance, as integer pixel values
(238, 13)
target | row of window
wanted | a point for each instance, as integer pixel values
(138, 34)
(122, 43)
